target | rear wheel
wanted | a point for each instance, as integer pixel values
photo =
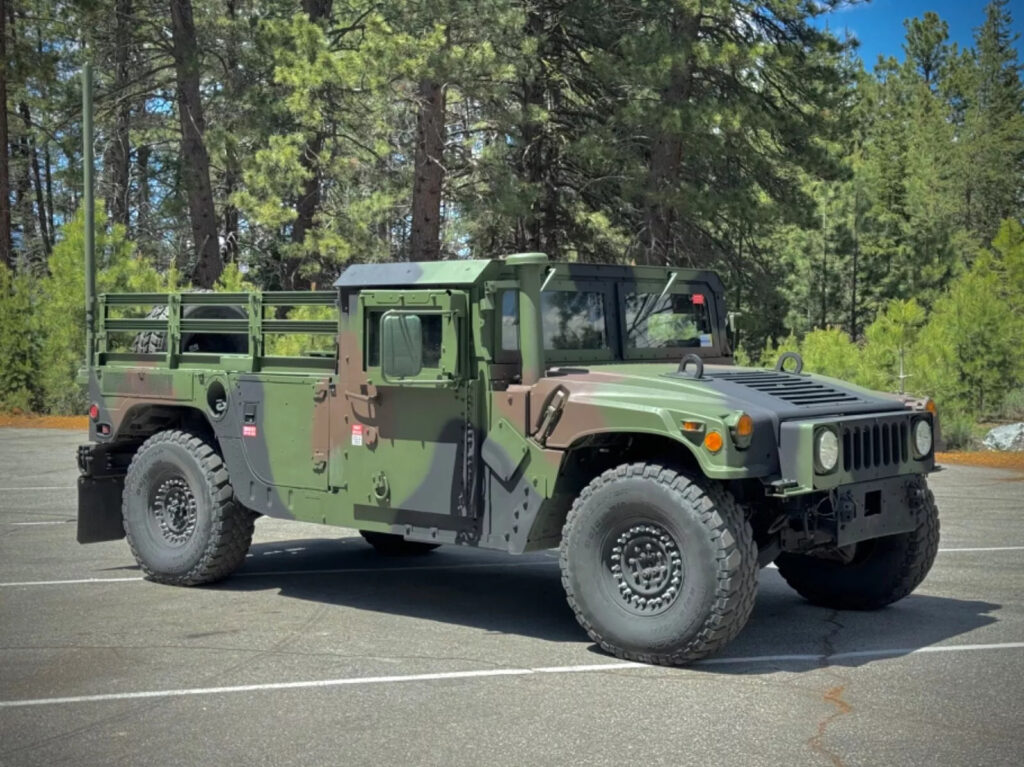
(871, 574)
(180, 516)
(658, 567)
(391, 545)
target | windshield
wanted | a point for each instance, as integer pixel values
(675, 320)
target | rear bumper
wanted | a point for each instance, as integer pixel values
(99, 495)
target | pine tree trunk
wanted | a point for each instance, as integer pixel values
(119, 150)
(6, 249)
(308, 202)
(194, 157)
(666, 158)
(36, 177)
(428, 173)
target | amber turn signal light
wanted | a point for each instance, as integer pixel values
(713, 441)
(744, 426)
(929, 405)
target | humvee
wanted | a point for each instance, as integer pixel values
(510, 404)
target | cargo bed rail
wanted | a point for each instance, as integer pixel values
(249, 320)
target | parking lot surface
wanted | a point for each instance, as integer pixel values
(321, 652)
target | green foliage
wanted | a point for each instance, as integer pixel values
(969, 355)
(957, 430)
(19, 353)
(61, 313)
(888, 342)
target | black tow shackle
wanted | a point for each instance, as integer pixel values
(698, 365)
(780, 365)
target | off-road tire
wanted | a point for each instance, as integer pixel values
(717, 564)
(210, 538)
(882, 571)
(151, 341)
(391, 545)
(155, 341)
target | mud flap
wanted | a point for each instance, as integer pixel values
(99, 509)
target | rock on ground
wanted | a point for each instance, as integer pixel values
(1008, 438)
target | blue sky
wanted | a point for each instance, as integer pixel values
(879, 24)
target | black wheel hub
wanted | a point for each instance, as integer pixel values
(647, 568)
(174, 508)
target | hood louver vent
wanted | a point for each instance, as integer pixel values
(795, 389)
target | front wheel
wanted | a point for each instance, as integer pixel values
(873, 573)
(180, 516)
(658, 567)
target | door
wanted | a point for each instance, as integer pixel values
(410, 441)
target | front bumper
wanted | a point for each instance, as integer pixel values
(858, 512)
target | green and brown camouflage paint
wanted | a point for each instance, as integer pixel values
(485, 448)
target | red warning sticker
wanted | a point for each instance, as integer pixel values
(249, 430)
(357, 434)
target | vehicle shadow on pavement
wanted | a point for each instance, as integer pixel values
(523, 596)
(786, 633)
(486, 590)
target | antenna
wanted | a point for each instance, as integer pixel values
(89, 204)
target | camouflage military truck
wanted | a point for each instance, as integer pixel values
(510, 404)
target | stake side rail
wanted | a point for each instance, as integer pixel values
(249, 321)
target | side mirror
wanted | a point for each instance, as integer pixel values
(730, 319)
(401, 345)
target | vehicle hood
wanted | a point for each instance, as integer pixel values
(771, 394)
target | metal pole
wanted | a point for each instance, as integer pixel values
(87, 182)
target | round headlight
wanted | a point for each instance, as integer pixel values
(922, 438)
(826, 450)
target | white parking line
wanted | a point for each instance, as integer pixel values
(279, 573)
(983, 548)
(44, 487)
(493, 672)
(52, 522)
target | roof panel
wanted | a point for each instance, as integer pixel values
(459, 272)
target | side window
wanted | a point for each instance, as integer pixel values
(573, 320)
(509, 321)
(432, 337)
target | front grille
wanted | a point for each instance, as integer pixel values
(875, 445)
(795, 389)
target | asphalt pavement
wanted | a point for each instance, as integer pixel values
(320, 652)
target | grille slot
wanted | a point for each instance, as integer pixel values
(874, 445)
(792, 388)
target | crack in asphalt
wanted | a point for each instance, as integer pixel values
(833, 696)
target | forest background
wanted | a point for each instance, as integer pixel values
(867, 214)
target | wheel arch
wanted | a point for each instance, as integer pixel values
(588, 456)
(145, 419)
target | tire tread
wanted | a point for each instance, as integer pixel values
(232, 526)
